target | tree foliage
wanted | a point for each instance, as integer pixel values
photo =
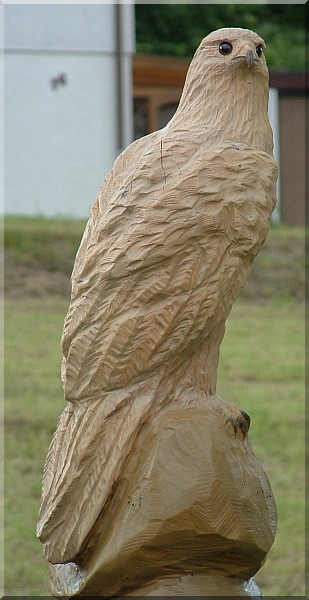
(177, 29)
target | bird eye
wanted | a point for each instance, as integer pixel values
(259, 50)
(225, 48)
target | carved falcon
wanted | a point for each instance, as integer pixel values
(168, 247)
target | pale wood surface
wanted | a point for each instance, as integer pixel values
(166, 251)
(192, 499)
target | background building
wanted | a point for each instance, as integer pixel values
(68, 103)
(71, 75)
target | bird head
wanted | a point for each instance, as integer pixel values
(227, 55)
(226, 89)
(234, 46)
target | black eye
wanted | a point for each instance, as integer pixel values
(259, 50)
(225, 48)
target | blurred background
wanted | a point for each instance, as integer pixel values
(81, 82)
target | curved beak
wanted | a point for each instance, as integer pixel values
(250, 58)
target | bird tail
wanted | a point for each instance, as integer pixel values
(84, 462)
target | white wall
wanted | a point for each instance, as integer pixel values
(60, 143)
(59, 27)
(273, 115)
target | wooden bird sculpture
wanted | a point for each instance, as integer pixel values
(167, 250)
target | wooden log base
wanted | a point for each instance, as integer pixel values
(212, 584)
(193, 513)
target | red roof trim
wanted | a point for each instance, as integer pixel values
(286, 80)
(161, 71)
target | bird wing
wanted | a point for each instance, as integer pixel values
(165, 253)
(145, 280)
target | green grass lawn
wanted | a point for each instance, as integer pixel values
(261, 370)
(33, 402)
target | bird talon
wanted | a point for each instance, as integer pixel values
(241, 423)
(234, 423)
(244, 422)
